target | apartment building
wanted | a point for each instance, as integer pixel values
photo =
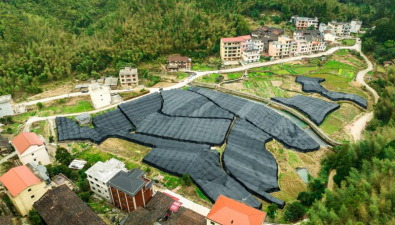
(31, 148)
(128, 77)
(24, 188)
(100, 174)
(130, 190)
(283, 47)
(340, 29)
(176, 62)
(304, 22)
(242, 48)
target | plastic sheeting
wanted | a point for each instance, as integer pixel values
(189, 104)
(312, 85)
(316, 109)
(138, 109)
(247, 160)
(264, 118)
(202, 164)
(199, 130)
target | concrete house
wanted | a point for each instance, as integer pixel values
(31, 148)
(61, 206)
(100, 95)
(176, 62)
(23, 188)
(100, 174)
(227, 211)
(304, 22)
(128, 77)
(242, 48)
(340, 29)
(130, 190)
(5, 106)
(355, 26)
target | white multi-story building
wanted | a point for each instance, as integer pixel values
(99, 175)
(341, 29)
(239, 48)
(128, 77)
(31, 148)
(355, 26)
(100, 95)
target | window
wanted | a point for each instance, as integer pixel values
(32, 154)
(96, 179)
(90, 176)
(91, 182)
(32, 196)
(212, 223)
(35, 159)
(29, 189)
(99, 191)
(93, 188)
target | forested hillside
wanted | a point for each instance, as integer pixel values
(45, 40)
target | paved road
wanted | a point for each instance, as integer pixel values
(75, 94)
(189, 204)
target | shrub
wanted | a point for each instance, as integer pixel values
(294, 212)
(40, 105)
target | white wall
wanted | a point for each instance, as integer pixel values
(100, 188)
(37, 154)
(6, 109)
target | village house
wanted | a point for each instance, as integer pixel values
(177, 62)
(62, 206)
(24, 188)
(130, 190)
(31, 148)
(5, 106)
(282, 48)
(164, 210)
(264, 35)
(388, 63)
(340, 29)
(304, 22)
(227, 211)
(128, 77)
(100, 174)
(355, 26)
(242, 48)
(100, 95)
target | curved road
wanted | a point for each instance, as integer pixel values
(355, 130)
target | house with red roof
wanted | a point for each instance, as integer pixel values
(227, 211)
(31, 148)
(23, 188)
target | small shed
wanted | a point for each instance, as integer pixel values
(111, 81)
(83, 119)
(4, 145)
(5, 106)
(77, 164)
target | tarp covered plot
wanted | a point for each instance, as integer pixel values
(246, 159)
(264, 118)
(189, 104)
(312, 85)
(202, 164)
(138, 109)
(315, 108)
(112, 122)
(198, 130)
(70, 130)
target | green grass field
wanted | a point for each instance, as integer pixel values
(233, 76)
(209, 78)
(348, 42)
(81, 106)
(200, 67)
(181, 75)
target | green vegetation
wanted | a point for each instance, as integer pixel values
(182, 75)
(132, 94)
(234, 76)
(59, 107)
(201, 67)
(348, 42)
(200, 194)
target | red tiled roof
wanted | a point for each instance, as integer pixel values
(227, 211)
(18, 179)
(24, 140)
(236, 39)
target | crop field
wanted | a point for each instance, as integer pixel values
(233, 76)
(263, 86)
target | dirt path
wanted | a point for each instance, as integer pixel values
(356, 128)
(330, 180)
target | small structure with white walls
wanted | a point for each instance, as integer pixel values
(100, 95)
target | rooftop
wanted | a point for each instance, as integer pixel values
(5, 99)
(236, 39)
(98, 88)
(77, 164)
(62, 206)
(178, 58)
(24, 140)
(18, 179)
(227, 211)
(111, 81)
(129, 182)
(128, 71)
(157, 208)
(104, 171)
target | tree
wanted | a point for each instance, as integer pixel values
(294, 212)
(40, 105)
(35, 218)
(272, 210)
(63, 156)
(186, 180)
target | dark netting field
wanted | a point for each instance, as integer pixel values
(181, 126)
(266, 119)
(312, 85)
(189, 104)
(316, 109)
